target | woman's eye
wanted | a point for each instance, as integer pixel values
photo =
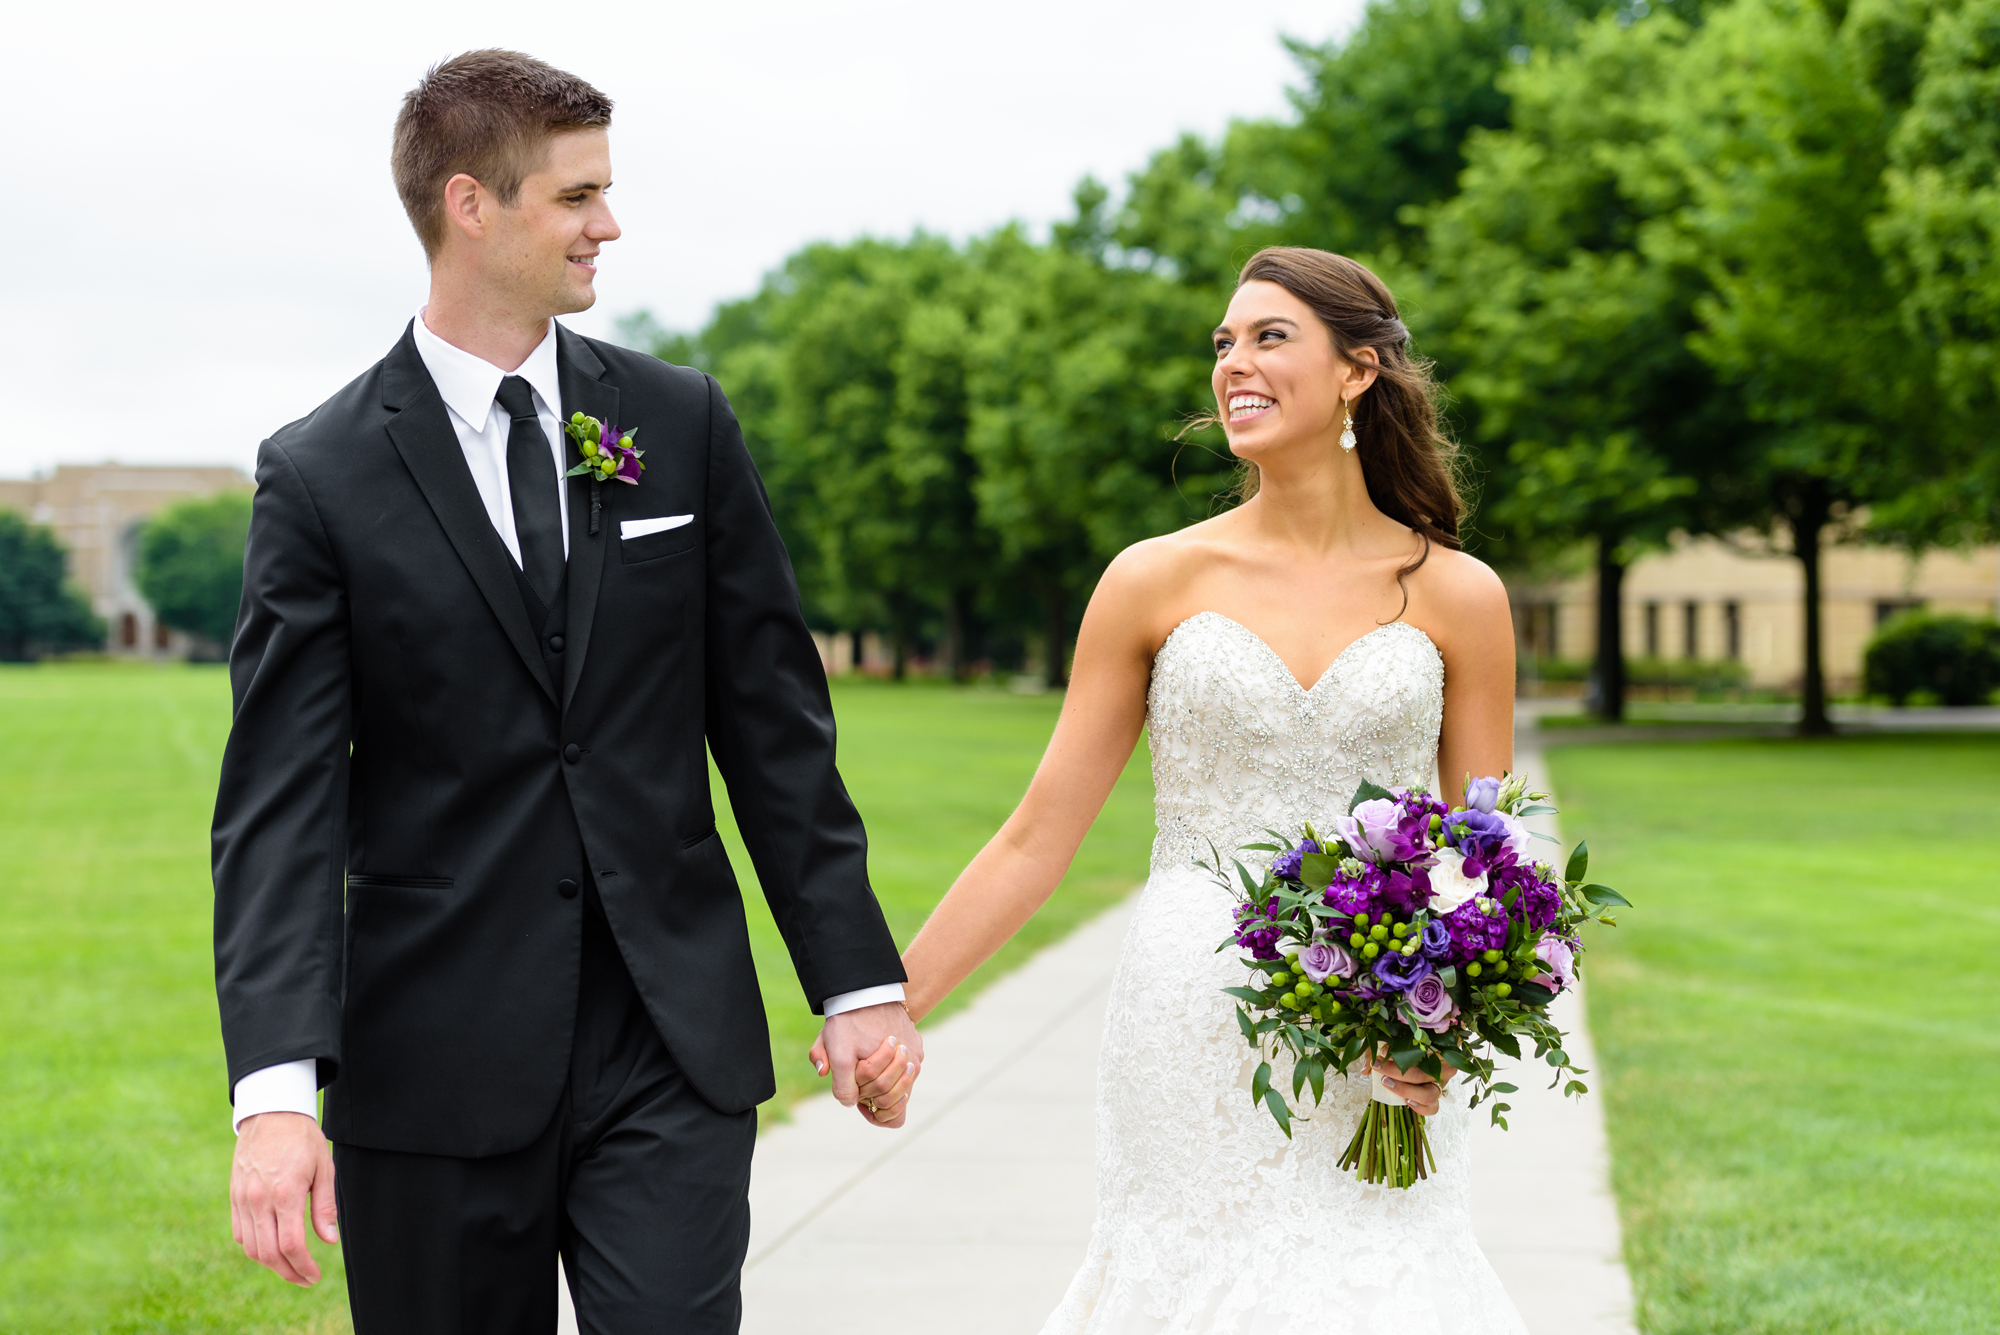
(1270, 334)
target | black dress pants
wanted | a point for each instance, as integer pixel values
(639, 1184)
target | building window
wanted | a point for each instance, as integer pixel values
(1652, 630)
(160, 635)
(1888, 609)
(1691, 629)
(128, 631)
(1732, 628)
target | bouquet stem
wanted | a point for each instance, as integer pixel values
(1390, 1147)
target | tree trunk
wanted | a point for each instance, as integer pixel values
(954, 636)
(1808, 515)
(855, 663)
(1607, 676)
(1055, 637)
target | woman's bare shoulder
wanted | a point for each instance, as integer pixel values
(1454, 590)
(1147, 581)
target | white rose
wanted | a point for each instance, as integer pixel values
(1450, 886)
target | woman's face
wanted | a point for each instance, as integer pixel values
(1279, 383)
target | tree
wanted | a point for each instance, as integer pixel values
(39, 613)
(1777, 141)
(191, 564)
(1565, 341)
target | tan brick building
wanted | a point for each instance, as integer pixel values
(1707, 599)
(97, 511)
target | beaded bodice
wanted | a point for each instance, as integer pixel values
(1238, 746)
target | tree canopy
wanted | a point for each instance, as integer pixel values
(39, 612)
(191, 564)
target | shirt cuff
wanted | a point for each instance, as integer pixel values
(854, 1001)
(286, 1087)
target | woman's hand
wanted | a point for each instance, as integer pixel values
(1416, 1087)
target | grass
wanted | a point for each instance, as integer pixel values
(114, 1148)
(1797, 1026)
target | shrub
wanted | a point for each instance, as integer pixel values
(1954, 658)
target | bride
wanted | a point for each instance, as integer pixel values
(1325, 631)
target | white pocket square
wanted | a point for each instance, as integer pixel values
(639, 528)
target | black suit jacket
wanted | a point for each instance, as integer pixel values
(407, 783)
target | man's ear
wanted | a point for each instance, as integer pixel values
(463, 201)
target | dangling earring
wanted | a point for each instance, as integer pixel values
(1347, 430)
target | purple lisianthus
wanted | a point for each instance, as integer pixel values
(1323, 960)
(1437, 941)
(1430, 1003)
(1482, 794)
(1400, 971)
(1473, 930)
(1560, 957)
(1483, 837)
(1286, 865)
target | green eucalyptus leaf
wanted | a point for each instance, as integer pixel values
(1604, 894)
(1276, 1103)
(1260, 1084)
(1579, 862)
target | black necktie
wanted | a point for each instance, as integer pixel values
(537, 516)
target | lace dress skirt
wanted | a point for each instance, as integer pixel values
(1209, 1220)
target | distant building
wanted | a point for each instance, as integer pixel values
(97, 511)
(1706, 599)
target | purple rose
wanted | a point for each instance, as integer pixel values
(1560, 956)
(1437, 940)
(1286, 865)
(1482, 794)
(1372, 830)
(1430, 1003)
(1322, 960)
(1400, 971)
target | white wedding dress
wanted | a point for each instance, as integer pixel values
(1210, 1222)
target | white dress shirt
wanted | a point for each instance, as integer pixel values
(470, 386)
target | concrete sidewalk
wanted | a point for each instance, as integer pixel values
(973, 1219)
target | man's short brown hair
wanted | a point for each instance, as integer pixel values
(488, 114)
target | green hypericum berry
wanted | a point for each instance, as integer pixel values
(1360, 920)
(1281, 979)
(1437, 822)
(1501, 967)
(1400, 930)
(576, 419)
(1355, 940)
(1289, 1002)
(589, 450)
(1378, 932)
(1490, 956)
(1502, 990)
(1370, 951)
(1473, 970)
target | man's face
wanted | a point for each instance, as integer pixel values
(543, 251)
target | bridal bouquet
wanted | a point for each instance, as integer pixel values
(1416, 931)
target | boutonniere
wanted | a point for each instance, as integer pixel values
(608, 456)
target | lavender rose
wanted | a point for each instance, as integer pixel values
(1561, 959)
(1430, 1003)
(1323, 960)
(1372, 830)
(1401, 971)
(1482, 794)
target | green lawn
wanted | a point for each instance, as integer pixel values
(1798, 1026)
(114, 1147)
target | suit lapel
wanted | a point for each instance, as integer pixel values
(423, 435)
(584, 390)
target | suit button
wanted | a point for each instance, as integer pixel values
(572, 753)
(566, 888)
(555, 644)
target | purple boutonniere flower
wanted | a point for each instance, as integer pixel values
(608, 452)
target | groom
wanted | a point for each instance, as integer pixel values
(467, 874)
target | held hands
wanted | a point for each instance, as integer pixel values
(874, 1055)
(282, 1164)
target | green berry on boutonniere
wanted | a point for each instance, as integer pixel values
(608, 453)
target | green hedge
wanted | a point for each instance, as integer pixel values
(1703, 674)
(1952, 659)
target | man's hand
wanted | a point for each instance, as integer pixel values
(282, 1164)
(874, 1055)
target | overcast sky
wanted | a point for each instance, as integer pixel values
(206, 242)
